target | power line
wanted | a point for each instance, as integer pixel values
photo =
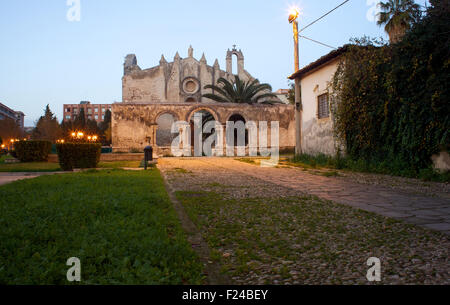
(323, 16)
(321, 43)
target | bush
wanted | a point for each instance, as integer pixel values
(75, 155)
(32, 151)
(391, 101)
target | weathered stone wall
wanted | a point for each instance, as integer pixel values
(182, 80)
(318, 134)
(134, 125)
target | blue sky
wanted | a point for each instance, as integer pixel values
(45, 59)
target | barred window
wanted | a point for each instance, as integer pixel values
(323, 106)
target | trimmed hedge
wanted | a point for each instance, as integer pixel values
(75, 155)
(32, 151)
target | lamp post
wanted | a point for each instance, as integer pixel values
(293, 18)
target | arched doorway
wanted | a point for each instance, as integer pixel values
(201, 118)
(164, 135)
(239, 122)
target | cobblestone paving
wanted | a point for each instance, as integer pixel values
(428, 211)
(410, 254)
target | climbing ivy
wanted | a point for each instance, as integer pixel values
(393, 100)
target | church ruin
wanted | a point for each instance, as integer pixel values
(155, 98)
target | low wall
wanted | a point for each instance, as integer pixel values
(107, 157)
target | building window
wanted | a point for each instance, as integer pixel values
(103, 117)
(103, 110)
(75, 111)
(96, 117)
(96, 110)
(89, 117)
(323, 106)
(90, 111)
(67, 117)
(67, 109)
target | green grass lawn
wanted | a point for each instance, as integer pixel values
(120, 224)
(54, 167)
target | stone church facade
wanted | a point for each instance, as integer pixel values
(173, 91)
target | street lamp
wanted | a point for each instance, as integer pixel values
(293, 19)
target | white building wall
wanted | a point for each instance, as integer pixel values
(317, 134)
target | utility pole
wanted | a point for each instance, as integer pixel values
(298, 105)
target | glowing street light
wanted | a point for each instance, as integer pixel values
(293, 14)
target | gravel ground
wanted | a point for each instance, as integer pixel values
(262, 233)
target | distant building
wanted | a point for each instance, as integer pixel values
(283, 95)
(18, 116)
(95, 112)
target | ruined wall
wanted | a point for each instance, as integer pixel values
(317, 134)
(134, 126)
(182, 80)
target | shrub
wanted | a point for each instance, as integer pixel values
(391, 101)
(32, 151)
(76, 155)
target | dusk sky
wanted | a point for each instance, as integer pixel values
(46, 59)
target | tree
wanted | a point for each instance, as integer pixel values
(80, 121)
(251, 92)
(291, 94)
(105, 128)
(67, 128)
(106, 122)
(398, 16)
(9, 130)
(47, 127)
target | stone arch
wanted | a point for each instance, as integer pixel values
(162, 112)
(164, 121)
(237, 117)
(238, 114)
(192, 111)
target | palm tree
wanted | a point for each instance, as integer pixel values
(397, 16)
(251, 92)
